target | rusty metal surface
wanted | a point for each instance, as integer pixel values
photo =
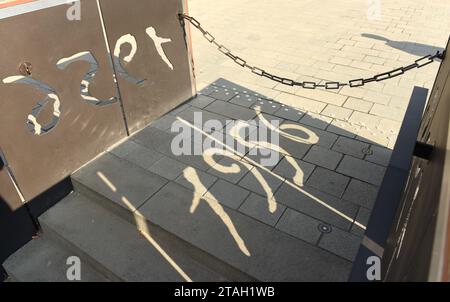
(158, 77)
(75, 121)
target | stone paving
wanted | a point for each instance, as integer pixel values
(325, 41)
(329, 182)
(324, 189)
(295, 209)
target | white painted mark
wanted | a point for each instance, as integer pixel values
(151, 32)
(85, 83)
(32, 122)
(130, 40)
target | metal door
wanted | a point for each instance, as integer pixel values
(151, 55)
(59, 103)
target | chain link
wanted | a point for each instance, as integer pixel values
(428, 59)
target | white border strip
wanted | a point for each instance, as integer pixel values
(20, 9)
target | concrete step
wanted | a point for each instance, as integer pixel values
(114, 246)
(244, 244)
(45, 260)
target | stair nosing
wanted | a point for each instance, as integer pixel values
(218, 266)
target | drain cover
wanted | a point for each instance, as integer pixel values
(326, 229)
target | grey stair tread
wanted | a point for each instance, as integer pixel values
(44, 260)
(275, 255)
(116, 244)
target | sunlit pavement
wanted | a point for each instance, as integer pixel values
(224, 215)
(290, 218)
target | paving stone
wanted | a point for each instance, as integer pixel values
(208, 89)
(323, 157)
(358, 104)
(289, 113)
(301, 103)
(362, 170)
(190, 113)
(293, 148)
(44, 260)
(326, 139)
(154, 139)
(237, 143)
(168, 168)
(291, 172)
(257, 207)
(328, 181)
(337, 112)
(268, 121)
(390, 112)
(164, 123)
(319, 205)
(250, 182)
(361, 193)
(373, 137)
(232, 111)
(116, 247)
(264, 157)
(244, 100)
(309, 134)
(267, 106)
(179, 109)
(227, 194)
(201, 101)
(377, 97)
(223, 94)
(137, 154)
(284, 258)
(196, 161)
(316, 120)
(206, 180)
(364, 120)
(300, 225)
(361, 222)
(106, 176)
(381, 156)
(221, 170)
(351, 147)
(344, 128)
(323, 96)
(341, 243)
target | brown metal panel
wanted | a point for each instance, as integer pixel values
(159, 75)
(81, 126)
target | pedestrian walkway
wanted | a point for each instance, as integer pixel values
(325, 41)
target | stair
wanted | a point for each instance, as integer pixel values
(44, 260)
(275, 255)
(127, 223)
(110, 249)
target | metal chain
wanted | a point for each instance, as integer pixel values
(428, 59)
